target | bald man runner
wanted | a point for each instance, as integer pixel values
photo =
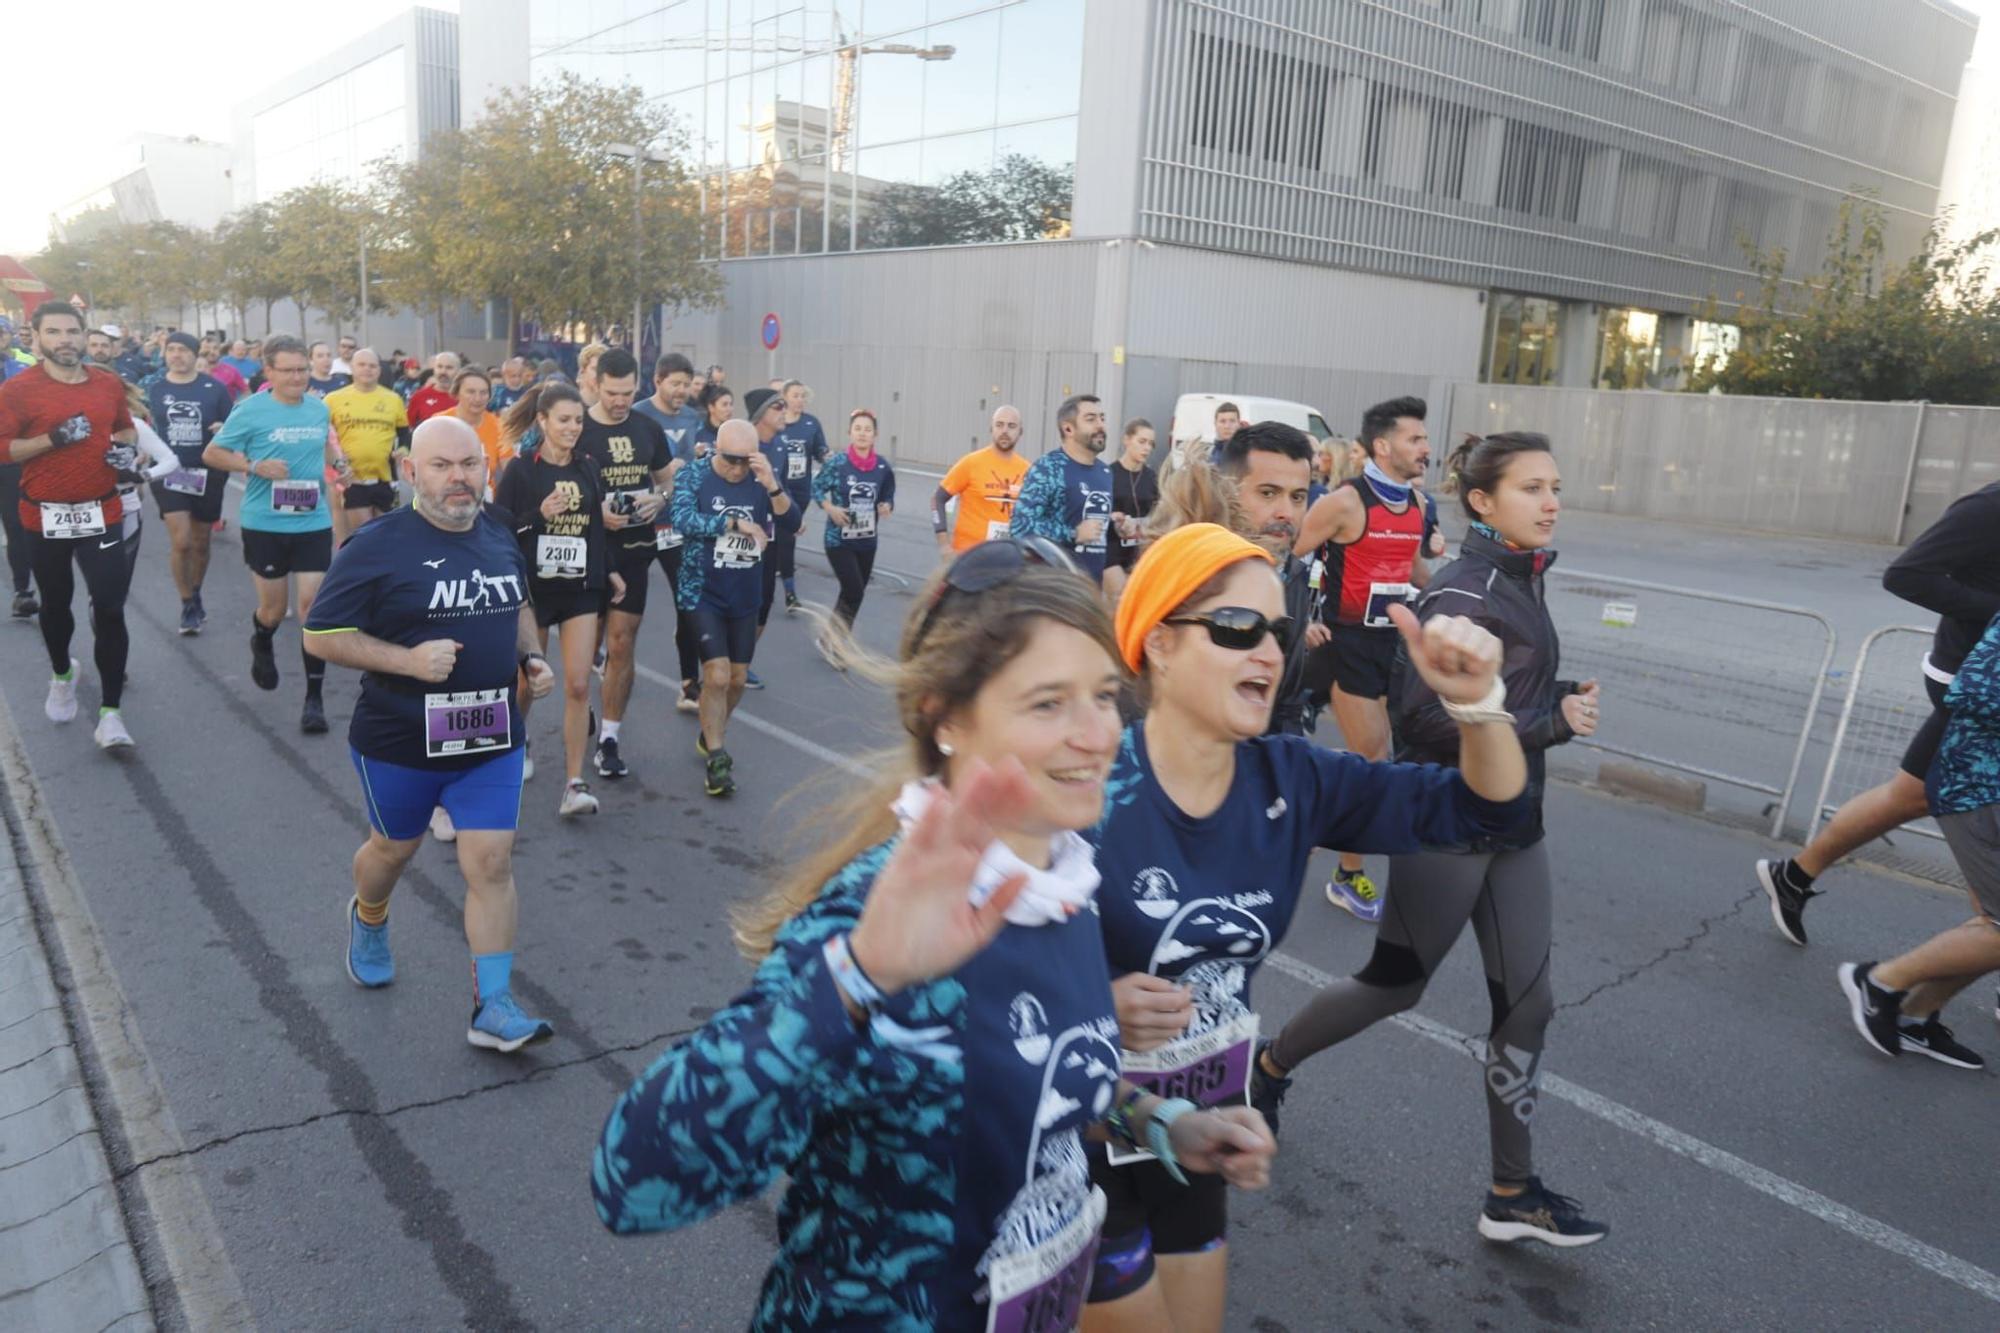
(430, 603)
(985, 483)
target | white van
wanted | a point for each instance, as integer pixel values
(1194, 420)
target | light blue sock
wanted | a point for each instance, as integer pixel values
(492, 972)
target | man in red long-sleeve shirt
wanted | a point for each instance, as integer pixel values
(68, 426)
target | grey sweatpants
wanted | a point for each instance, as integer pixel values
(1430, 896)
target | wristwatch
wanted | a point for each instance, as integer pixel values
(774, 494)
(532, 657)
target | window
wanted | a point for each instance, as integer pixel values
(1628, 348)
(1522, 339)
(1574, 26)
(1541, 171)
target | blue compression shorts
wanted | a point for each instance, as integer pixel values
(400, 799)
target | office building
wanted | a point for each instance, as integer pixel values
(154, 178)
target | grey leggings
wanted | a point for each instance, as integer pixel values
(1430, 897)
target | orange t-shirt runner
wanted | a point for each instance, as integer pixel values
(986, 482)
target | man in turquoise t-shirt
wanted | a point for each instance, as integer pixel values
(283, 442)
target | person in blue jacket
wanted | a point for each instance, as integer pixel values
(857, 489)
(930, 1029)
(1066, 493)
(1208, 827)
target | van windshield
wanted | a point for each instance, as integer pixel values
(1316, 426)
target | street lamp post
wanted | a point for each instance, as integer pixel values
(639, 157)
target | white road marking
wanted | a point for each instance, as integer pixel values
(1814, 1204)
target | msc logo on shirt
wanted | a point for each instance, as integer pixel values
(620, 447)
(571, 493)
(479, 593)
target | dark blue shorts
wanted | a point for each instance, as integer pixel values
(717, 635)
(400, 799)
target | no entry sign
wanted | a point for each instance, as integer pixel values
(771, 332)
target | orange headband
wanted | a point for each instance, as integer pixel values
(1168, 574)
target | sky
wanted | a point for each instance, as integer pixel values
(179, 75)
(183, 77)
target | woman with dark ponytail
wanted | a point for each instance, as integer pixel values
(1511, 489)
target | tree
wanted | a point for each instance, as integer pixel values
(252, 268)
(1865, 329)
(1020, 199)
(316, 238)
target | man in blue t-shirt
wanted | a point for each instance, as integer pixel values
(189, 409)
(1066, 495)
(430, 604)
(728, 506)
(283, 441)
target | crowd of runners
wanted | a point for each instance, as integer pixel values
(1000, 1038)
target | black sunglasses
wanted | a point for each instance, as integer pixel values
(1236, 627)
(988, 565)
(740, 460)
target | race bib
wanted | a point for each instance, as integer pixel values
(733, 550)
(1042, 1290)
(860, 525)
(795, 465)
(468, 722)
(666, 539)
(186, 481)
(560, 557)
(1382, 596)
(73, 520)
(1212, 1069)
(299, 495)
(997, 530)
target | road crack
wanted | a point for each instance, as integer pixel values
(1700, 932)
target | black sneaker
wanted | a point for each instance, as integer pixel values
(1267, 1094)
(190, 617)
(263, 661)
(1877, 1013)
(1934, 1039)
(200, 613)
(1788, 903)
(1539, 1213)
(721, 782)
(312, 718)
(609, 765)
(25, 605)
(792, 606)
(750, 681)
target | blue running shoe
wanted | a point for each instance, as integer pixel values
(368, 960)
(750, 681)
(499, 1025)
(1353, 891)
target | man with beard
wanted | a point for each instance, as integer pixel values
(1066, 495)
(430, 603)
(1271, 464)
(985, 483)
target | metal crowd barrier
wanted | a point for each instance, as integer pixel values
(1719, 687)
(1883, 708)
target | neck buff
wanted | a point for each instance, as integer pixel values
(1052, 896)
(1395, 492)
(863, 464)
(1491, 533)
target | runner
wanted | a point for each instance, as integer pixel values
(1066, 495)
(189, 407)
(1268, 464)
(1952, 570)
(62, 421)
(345, 344)
(1511, 489)
(371, 424)
(555, 500)
(435, 397)
(985, 483)
(431, 606)
(1896, 1004)
(1368, 537)
(514, 380)
(1134, 493)
(325, 378)
(586, 371)
(858, 491)
(471, 393)
(149, 461)
(681, 422)
(727, 505)
(1208, 827)
(930, 1029)
(283, 442)
(632, 458)
(718, 405)
(764, 410)
(804, 439)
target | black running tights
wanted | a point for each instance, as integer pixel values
(853, 566)
(107, 574)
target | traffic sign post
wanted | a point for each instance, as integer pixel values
(770, 333)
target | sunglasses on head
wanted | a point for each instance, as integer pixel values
(987, 566)
(1236, 627)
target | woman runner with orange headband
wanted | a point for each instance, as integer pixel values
(1207, 829)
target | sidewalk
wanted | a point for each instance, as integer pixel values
(66, 1261)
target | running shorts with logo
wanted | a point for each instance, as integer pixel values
(717, 635)
(1184, 1219)
(273, 555)
(369, 495)
(635, 567)
(400, 799)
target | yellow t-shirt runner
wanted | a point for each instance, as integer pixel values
(366, 422)
(986, 482)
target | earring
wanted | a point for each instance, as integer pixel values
(945, 749)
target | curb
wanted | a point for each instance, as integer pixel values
(121, 1117)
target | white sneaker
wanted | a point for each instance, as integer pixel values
(111, 733)
(441, 826)
(687, 704)
(527, 766)
(577, 800)
(61, 703)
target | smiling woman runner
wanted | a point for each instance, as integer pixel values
(1208, 826)
(931, 1027)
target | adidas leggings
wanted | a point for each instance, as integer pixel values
(1430, 897)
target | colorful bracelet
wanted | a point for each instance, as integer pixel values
(1119, 1122)
(1158, 1143)
(847, 975)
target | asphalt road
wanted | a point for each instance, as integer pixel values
(367, 1168)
